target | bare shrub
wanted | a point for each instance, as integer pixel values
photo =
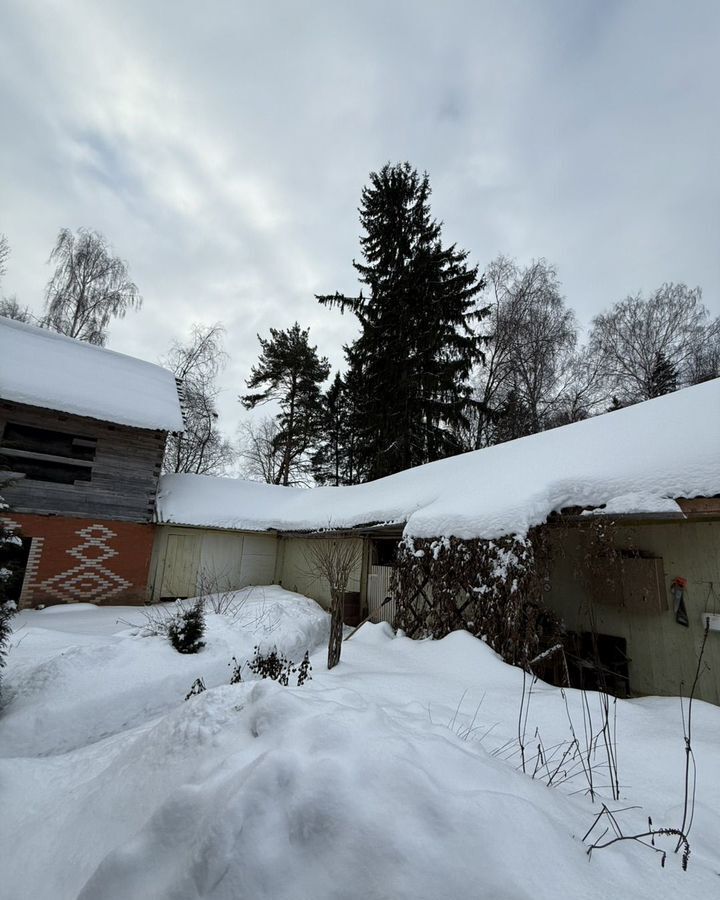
(277, 667)
(156, 620)
(613, 832)
(335, 560)
(589, 754)
(218, 597)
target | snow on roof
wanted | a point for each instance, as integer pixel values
(46, 369)
(637, 459)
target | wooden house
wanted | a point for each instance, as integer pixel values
(651, 473)
(82, 438)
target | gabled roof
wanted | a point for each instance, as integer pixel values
(41, 368)
(635, 460)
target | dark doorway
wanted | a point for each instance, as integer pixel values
(13, 559)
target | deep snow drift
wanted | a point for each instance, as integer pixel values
(376, 780)
(638, 459)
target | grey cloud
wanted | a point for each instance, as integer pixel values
(222, 147)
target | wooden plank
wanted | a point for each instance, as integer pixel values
(700, 506)
(124, 475)
(182, 559)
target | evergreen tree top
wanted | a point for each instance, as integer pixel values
(287, 363)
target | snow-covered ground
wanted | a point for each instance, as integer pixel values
(375, 780)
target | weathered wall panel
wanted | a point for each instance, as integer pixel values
(663, 654)
(188, 561)
(124, 472)
(296, 575)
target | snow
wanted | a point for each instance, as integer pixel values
(41, 368)
(636, 502)
(637, 459)
(378, 779)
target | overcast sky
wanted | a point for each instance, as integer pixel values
(222, 146)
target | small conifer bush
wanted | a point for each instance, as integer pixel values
(187, 628)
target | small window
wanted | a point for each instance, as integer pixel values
(44, 455)
(384, 552)
(598, 662)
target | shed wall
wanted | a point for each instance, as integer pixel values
(663, 654)
(294, 574)
(187, 561)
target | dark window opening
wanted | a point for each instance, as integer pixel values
(384, 552)
(45, 455)
(598, 662)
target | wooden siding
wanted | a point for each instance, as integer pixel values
(663, 654)
(125, 469)
(294, 574)
(378, 591)
(190, 561)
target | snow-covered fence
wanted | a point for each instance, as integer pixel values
(378, 591)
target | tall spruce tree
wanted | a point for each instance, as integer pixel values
(328, 461)
(290, 372)
(417, 345)
(335, 459)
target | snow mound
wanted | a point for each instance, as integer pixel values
(42, 368)
(344, 803)
(634, 460)
(99, 684)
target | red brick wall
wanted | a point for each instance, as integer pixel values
(84, 560)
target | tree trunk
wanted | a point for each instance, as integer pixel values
(336, 629)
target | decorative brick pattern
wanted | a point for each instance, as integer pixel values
(75, 560)
(90, 580)
(10, 524)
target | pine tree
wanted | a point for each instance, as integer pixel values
(328, 460)
(291, 372)
(416, 348)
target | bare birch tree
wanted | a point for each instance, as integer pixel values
(648, 346)
(11, 309)
(4, 253)
(529, 353)
(88, 288)
(259, 451)
(201, 449)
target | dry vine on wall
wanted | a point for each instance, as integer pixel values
(491, 588)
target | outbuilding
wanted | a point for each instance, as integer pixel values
(630, 502)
